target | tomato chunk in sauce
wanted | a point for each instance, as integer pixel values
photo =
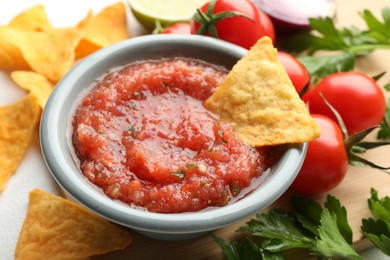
(144, 137)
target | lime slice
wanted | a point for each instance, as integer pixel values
(148, 12)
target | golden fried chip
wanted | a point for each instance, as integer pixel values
(106, 28)
(37, 84)
(11, 56)
(56, 228)
(33, 19)
(17, 124)
(51, 53)
(259, 100)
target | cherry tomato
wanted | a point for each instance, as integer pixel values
(357, 98)
(239, 30)
(177, 28)
(326, 161)
(298, 74)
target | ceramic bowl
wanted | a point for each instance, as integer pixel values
(55, 136)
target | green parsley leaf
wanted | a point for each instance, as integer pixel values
(378, 230)
(325, 36)
(281, 228)
(322, 232)
(331, 242)
(350, 42)
(334, 206)
(308, 213)
(246, 250)
(233, 251)
(377, 26)
(321, 66)
(380, 208)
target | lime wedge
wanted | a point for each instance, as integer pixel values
(148, 12)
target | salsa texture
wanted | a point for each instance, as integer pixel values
(144, 137)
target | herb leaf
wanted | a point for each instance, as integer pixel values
(331, 242)
(380, 208)
(378, 229)
(351, 42)
(335, 207)
(281, 228)
(321, 232)
(378, 232)
(308, 213)
(325, 36)
(321, 66)
(247, 250)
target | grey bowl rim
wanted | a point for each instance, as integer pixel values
(180, 223)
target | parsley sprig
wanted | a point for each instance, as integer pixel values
(322, 232)
(345, 44)
(377, 229)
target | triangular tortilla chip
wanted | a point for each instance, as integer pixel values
(17, 124)
(56, 228)
(37, 84)
(51, 53)
(258, 99)
(33, 19)
(106, 28)
(11, 56)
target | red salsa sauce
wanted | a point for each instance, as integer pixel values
(144, 137)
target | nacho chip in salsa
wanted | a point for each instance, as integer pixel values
(258, 99)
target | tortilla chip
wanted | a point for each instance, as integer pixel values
(11, 56)
(33, 19)
(51, 53)
(17, 124)
(56, 228)
(37, 84)
(106, 28)
(30, 42)
(258, 99)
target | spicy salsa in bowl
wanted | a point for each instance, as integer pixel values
(125, 133)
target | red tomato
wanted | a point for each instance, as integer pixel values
(298, 74)
(177, 28)
(239, 30)
(357, 98)
(326, 161)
